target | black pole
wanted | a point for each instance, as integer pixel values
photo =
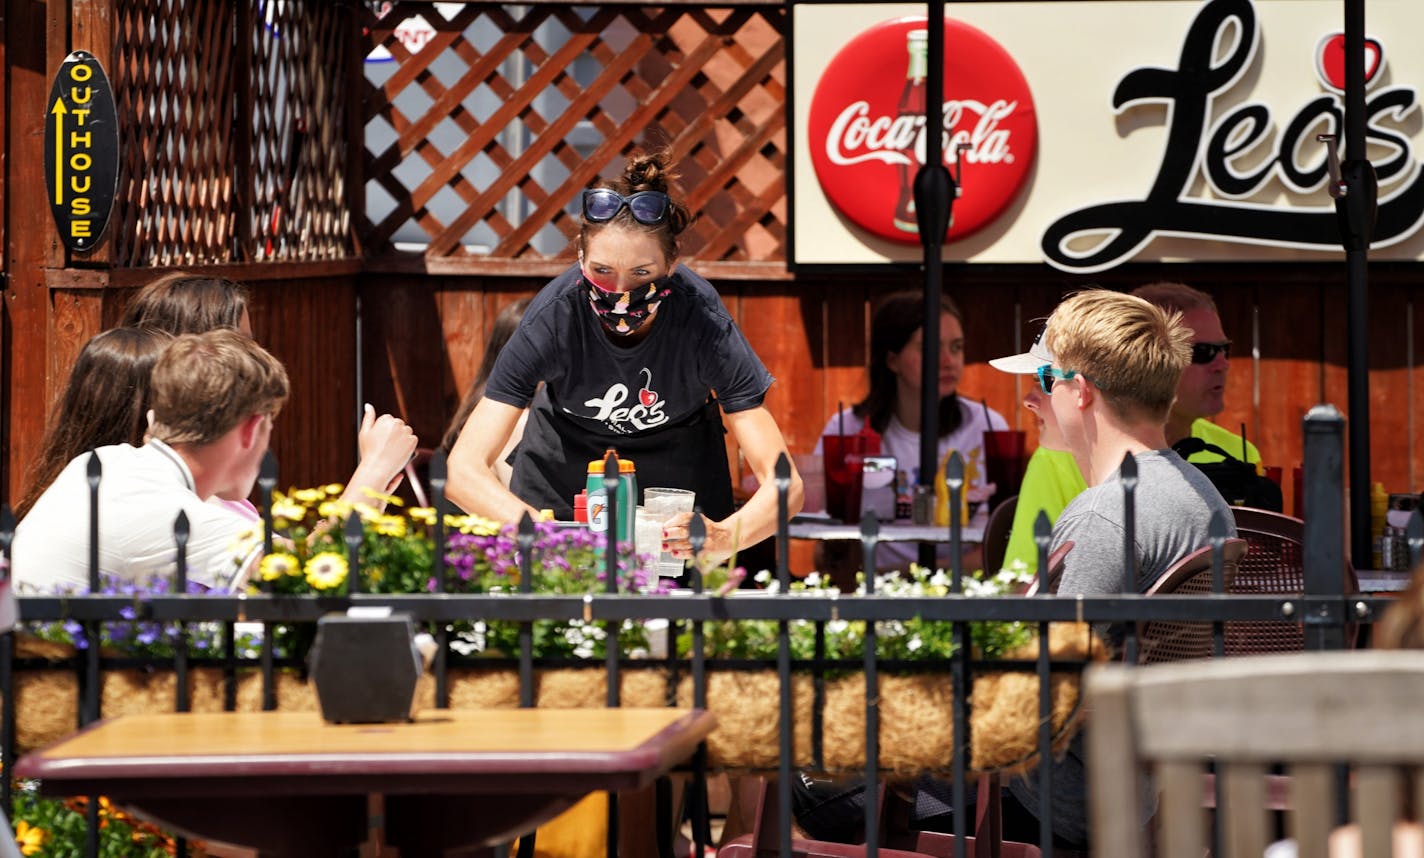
(934, 197)
(1356, 210)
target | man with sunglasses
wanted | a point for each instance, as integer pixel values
(1116, 361)
(1201, 394)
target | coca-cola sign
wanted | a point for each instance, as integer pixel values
(866, 127)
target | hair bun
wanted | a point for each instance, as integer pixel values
(647, 173)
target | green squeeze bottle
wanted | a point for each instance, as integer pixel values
(627, 497)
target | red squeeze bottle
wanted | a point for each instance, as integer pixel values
(581, 506)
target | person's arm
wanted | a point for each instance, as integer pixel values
(473, 483)
(761, 443)
(386, 443)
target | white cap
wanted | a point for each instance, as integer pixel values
(1026, 363)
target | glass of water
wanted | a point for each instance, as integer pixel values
(662, 504)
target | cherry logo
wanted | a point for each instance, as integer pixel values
(646, 395)
(1330, 61)
(866, 127)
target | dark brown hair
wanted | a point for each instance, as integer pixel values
(897, 317)
(503, 329)
(644, 172)
(105, 402)
(183, 303)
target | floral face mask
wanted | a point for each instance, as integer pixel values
(622, 313)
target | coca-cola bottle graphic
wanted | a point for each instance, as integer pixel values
(911, 109)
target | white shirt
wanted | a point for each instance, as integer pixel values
(904, 444)
(141, 491)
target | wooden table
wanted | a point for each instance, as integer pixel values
(288, 783)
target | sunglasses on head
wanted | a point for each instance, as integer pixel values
(601, 205)
(1203, 353)
(1047, 375)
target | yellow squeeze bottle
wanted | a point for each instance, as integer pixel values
(941, 513)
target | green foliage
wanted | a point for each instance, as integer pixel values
(915, 639)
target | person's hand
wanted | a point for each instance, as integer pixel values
(721, 538)
(386, 444)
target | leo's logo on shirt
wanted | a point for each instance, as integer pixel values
(645, 413)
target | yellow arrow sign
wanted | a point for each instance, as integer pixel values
(59, 112)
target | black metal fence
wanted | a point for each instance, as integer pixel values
(1325, 610)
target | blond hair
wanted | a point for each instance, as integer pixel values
(1132, 350)
(1175, 296)
(206, 384)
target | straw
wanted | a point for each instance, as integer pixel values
(1244, 456)
(988, 424)
(840, 415)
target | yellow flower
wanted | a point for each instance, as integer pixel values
(422, 514)
(366, 511)
(333, 489)
(309, 496)
(472, 524)
(277, 565)
(382, 497)
(390, 525)
(334, 509)
(326, 571)
(285, 508)
(31, 839)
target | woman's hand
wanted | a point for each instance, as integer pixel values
(722, 540)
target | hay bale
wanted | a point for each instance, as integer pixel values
(1004, 718)
(748, 709)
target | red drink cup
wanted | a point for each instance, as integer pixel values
(844, 458)
(1004, 462)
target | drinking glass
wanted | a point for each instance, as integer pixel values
(844, 461)
(647, 532)
(662, 504)
(1004, 462)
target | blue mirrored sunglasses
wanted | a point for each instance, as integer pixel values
(1047, 375)
(601, 205)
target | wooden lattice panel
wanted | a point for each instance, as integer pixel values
(208, 130)
(484, 127)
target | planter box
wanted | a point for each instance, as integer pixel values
(915, 710)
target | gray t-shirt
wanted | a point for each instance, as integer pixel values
(1174, 503)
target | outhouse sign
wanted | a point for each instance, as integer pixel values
(81, 151)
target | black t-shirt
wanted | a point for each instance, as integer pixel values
(650, 401)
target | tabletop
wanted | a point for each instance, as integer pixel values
(826, 529)
(449, 777)
(137, 753)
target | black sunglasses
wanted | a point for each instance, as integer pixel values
(601, 205)
(1204, 353)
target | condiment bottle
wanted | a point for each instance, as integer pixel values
(626, 496)
(941, 489)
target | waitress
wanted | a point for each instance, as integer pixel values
(629, 350)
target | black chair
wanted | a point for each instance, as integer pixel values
(996, 534)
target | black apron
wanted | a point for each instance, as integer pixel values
(551, 461)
